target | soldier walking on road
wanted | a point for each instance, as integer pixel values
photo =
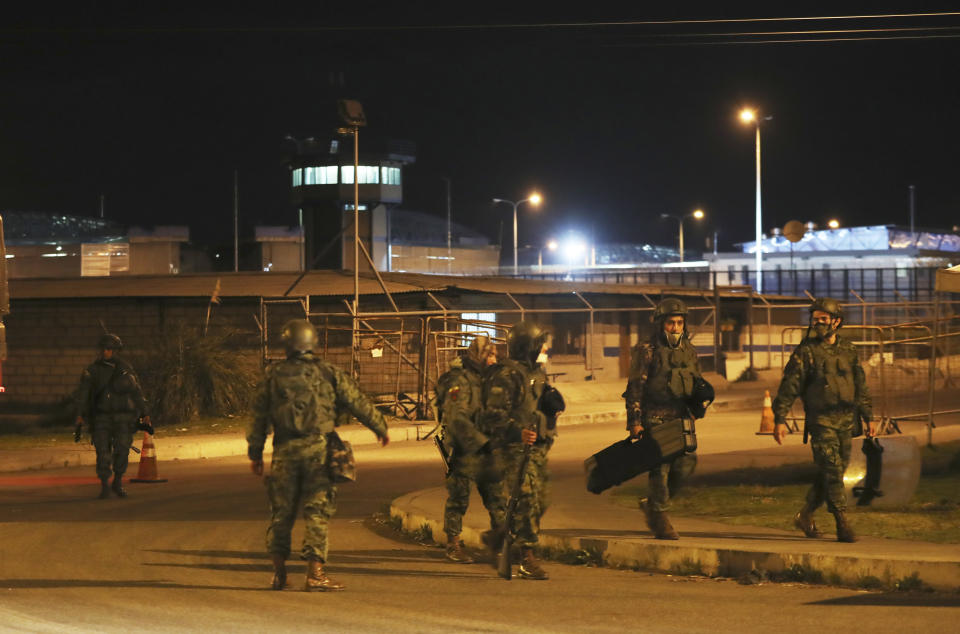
(299, 400)
(513, 418)
(663, 372)
(110, 401)
(459, 396)
(826, 374)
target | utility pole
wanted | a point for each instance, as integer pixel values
(449, 232)
(912, 209)
(236, 228)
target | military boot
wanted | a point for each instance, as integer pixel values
(456, 552)
(104, 489)
(529, 566)
(318, 581)
(844, 532)
(279, 571)
(118, 487)
(804, 521)
(658, 522)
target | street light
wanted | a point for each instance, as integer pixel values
(834, 224)
(697, 214)
(750, 116)
(534, 199)
(551, 245)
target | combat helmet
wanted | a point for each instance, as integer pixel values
(525, 340)
(479, 349)
(827, 305)
(108, 341)
(667, 307)
(299, 335)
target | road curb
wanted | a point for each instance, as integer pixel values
(681, 558)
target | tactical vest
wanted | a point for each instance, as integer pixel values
(303, 399)
(117, 394)
(830, 382)
(526, 413)
(671, 375)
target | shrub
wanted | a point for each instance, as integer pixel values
(185, 374)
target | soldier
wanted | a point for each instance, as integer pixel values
(826, 374)
(110, 400)
(663, 371)
(459, 398)
(512, 419)
(299, 400)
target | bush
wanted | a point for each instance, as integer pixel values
(186, 374)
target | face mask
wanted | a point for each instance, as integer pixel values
(542, 358)
(674, 338)
(823, 330)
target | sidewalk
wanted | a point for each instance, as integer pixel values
(587, 402)
(580, 521)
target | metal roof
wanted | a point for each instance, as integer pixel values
(319, 283)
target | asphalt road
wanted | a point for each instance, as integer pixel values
(187, 555)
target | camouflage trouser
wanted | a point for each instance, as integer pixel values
(831, 453)
(534, 491)
(298, 475)
(485, 469)
(112, 436)
(666, 480)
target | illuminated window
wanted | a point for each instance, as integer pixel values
(323, 175)
(390, 175)
(478, 327)
(297, 177)
(369, 174)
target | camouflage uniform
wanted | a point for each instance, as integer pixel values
(298, 400)
(513, 390)
(474, 460)
(831, 382)
(660, 376)
(110, 399)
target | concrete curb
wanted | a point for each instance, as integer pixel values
(687, 558)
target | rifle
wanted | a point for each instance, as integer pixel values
(504, 562)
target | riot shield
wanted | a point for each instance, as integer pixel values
(883, 472)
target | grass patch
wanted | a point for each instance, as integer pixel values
(770, 497)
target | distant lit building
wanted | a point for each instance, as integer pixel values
(885, 262)
(60, 245)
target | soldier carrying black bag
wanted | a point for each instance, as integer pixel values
(665, 392)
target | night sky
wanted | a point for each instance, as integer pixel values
(612, 124)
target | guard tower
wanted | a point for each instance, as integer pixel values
(321, 181)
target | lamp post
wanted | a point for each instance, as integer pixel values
(351, 113)
(534, 199)
(696, 213)
(749, 115)
(552, 245)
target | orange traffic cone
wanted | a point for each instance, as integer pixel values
(766, 419)
(148, 462)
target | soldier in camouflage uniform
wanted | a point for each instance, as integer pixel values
(662, 374)
(109, 398)
(512, 418)
(826, 374)
(459, 395)
(299, 400)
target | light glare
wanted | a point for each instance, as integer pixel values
(748, 116)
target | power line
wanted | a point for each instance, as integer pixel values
(481, 27)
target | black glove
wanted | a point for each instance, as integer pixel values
(78, 432)
(147, 427)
